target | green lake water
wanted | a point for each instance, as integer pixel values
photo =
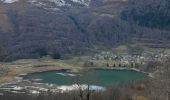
(100, 77)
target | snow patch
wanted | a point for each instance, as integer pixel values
(59, 2)
(9, 1)
(65, 88)
(83, 2)
(34, 92)
(17, 88)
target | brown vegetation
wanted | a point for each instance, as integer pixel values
(5, 24)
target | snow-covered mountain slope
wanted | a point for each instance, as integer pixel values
(53, 2)
(65, 2)
(83, 2)
(8, 1)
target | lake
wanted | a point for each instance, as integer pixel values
(98, 77)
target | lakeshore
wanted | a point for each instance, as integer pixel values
(12, 80)
(37, 86)
(16, 71)
(12, 75)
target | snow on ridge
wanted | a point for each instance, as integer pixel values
(57, 2)
(64, 3)
(83, 2)
(60, 2)
(9, 1)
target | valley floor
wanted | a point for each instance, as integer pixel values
(31, 66)
(13, 69)
(18, 67)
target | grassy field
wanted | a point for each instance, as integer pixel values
(10, 69)
(15, 68)
(121, 50)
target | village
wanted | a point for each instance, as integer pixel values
(129, 59)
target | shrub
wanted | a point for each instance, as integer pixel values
(88, 64)
(56, 55)
(41, 52)
(3, 54)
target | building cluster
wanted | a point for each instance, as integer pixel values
(128, 58)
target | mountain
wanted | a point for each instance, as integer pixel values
(63, 26)
(30, 28)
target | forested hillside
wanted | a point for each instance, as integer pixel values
(33, 28)
(150, 22)
(29, 28)
(149, 13)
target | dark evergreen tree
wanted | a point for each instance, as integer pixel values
(56, 55)
(41, 52)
